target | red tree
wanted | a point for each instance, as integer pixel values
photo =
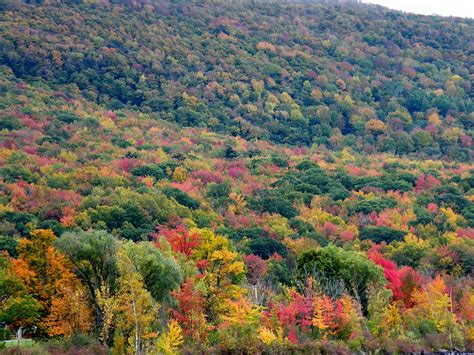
(180, 239)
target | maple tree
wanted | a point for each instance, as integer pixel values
(48, 277)
(190, 312)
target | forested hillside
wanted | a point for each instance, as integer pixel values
(358, 76)
(235, 177)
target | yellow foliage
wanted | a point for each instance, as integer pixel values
(267, 336)
(317, 216)
(452, 219)
(434, 303)
(433, 118)
(148, 180)
(286, 98)
(276, 225)
(251, 108)
(375, 126)
(452, 134)
(392, 323)
(410, 238)
(107, 123)
(179, 174)
(67, 156)
(300, 245)
(5, 153)
(170, 342)
(107, 306)
(239, 203)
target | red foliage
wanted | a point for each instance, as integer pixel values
(33, 150)
(256, 268)
(207, 176)
(426, 182)
(465, 233)
(297, 313)
(127, 164)
(432, 208)
(27, 121)
(329, 229)
(236, 171)
(190, 310)
(180, 239)
(466, 140)
(353, 170)
(432, 129)
(402, 281)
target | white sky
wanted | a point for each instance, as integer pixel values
(463, 8)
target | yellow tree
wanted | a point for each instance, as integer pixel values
(434, 304)
(135, 310)
(239, 326)
(221, 270)
(169, 342)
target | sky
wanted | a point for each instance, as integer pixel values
(463, 8)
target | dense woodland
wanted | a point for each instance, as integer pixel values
(235, 177)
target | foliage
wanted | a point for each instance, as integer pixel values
(265, 177)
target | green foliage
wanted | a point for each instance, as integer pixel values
(381, 234)
(181, 197)
(266, 247)
(273, 201)
(332, 265)
(160, 274)
(294, 102)
(93, 254)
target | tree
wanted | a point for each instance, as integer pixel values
(433, 305)
(297, 313)
(135, 311)
(266, 247)
(48, 277)
(92, 255)
(70, 311)
(190, 311)
(238, 329)
(331, 265)
(170, 341)
(18, 309)
(160, 273)
(403, 282)
(180, 239)
(221, 271)
(256, 268)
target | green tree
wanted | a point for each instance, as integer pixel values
(160, 274)
(337, 270)
(93, 256)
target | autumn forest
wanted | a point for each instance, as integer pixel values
(244, 177)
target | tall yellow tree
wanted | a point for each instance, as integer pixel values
(221, 270)
(135, 310)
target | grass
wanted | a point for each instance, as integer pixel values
(24, 343)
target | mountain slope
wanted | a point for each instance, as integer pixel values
(359, 76)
